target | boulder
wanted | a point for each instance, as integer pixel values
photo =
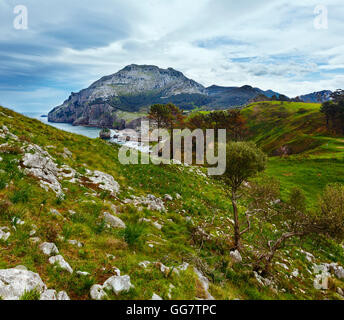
(15, 282)
(97, 292)
(167, 197)
(205, 284)
(236, 256)
(321, 281)
(3, 234)
(104, 181)
(75, 243)
(113, 221)
(41, 165)
(62, 295)
(60, 261)
(49, 248)
(49, 295)
(156, 297)
(118, 284)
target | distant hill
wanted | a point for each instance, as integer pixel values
(136, 87)
(316, 97)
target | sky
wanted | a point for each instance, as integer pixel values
(286, 46)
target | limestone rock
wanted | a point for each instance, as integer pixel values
(15, 282)
(236, 256)
(59, 260)
(167, 197)
(3, 234)
(113, 221)
(62, 295)
(49, 295)
(104, 181)
(205, 284)
(49, 248)
(97, 292)
(156, 297)
(118, 284)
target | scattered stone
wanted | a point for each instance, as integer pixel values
(340, 291)
(15, 282)
(75, 243)
(118, 284)
(144, 264)
(321, 281)
(167, 197)
(205, 284)
(35, 240)
(49, 248)
(55, 213)
(157, 225)
(41, 165)
(97, 292)
(59, 260)
(49, 295)
(113, 221)
(178, 196)
(263, 281)
(104, 181)
(156, 297)
(236, 256)
(62, 295)
(82, 273)
(295, 273)
(151, 202)
(3, 234)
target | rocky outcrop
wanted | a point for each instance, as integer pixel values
(135, 87)
(17, 281)
(127, 90)
(116, 284)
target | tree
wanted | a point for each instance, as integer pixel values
(334, 111)
(292, 220)
(244, 160)
(158, 113)
(174, 119)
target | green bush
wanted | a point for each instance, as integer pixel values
(21, 195)
(132, 233)
(31, 295)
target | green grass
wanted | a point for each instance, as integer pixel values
(203, 199)
(315, 158)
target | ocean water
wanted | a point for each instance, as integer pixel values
(89, 132)
(84, 131)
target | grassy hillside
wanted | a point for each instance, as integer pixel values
(202, 207)
(303, 153)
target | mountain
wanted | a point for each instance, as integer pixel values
(129, 89)
(136, 87)
(316, 97)
(234, 96)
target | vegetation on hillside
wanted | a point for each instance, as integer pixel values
(197, 226)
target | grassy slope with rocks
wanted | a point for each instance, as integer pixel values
(202, 208)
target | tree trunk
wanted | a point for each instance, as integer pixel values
(267, 258)
(236, 222)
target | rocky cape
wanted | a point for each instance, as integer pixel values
(136, 87)
(107, 102)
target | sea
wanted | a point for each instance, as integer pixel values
(90, 132)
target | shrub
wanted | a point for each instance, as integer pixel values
(31, 295)
(21, 195)
(132, 233)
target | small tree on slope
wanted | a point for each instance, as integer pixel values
(244, 160)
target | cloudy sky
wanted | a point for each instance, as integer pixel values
(271, 44)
